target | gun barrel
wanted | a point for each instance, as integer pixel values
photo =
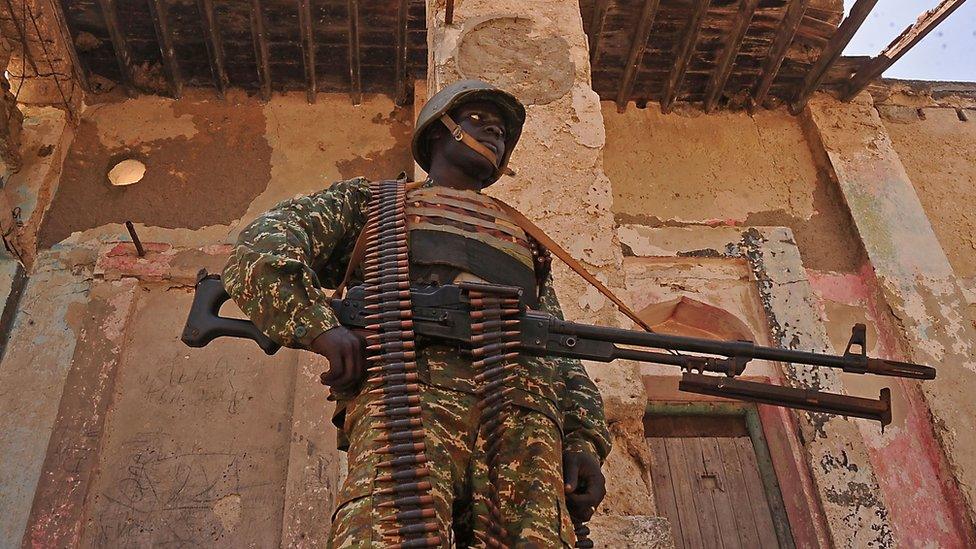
(743, 350)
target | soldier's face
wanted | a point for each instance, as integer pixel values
(484, 122)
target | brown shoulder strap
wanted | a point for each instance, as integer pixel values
(535, 232)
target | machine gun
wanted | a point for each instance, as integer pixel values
(446, 314)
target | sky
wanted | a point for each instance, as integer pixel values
(947, 53)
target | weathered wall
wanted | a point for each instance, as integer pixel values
(726, 169)
(214, 165)
(938, 149)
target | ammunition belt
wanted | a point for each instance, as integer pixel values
(495, 338)
(402, 484)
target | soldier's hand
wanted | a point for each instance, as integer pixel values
(585, 484)
(346, 354)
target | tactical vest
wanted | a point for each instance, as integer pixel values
(455, 235)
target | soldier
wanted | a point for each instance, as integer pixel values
(556, 437)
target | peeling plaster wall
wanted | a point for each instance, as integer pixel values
(938, 150)
(213, 165)
(727, 168)
(913, 274)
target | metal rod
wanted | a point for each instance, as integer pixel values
(135, 238)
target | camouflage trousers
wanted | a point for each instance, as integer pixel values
(530, 481)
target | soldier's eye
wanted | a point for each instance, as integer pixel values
(475, 117)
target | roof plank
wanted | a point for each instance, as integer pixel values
(400, 63)
(260, 39)
(355, 78)
(595, 32)
(159, 13)
(686, 48)
(123, 55)
(720, 76)
(308, 48)
(905, 41)
(638, 46)
(780, 46)
(831, 52)
(215, 49)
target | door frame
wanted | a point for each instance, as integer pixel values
(764, 460)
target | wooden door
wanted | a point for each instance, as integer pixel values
(707, 482)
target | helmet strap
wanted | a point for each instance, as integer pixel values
(471, 143)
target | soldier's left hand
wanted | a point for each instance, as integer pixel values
(585, 484)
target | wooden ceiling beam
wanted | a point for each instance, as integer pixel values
(261, 57)
(595, 32)
(308, 48)
(686, 48)
(795, 11)
(158, 12)
(723, 68)
(81, 72)
(831, 52)
(123, 55)
(215, 49)
(355, 79)
(905, 41)
(638, 46)
(400, 63)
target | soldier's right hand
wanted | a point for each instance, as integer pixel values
(346, 353)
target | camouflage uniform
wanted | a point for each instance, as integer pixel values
(276, 274)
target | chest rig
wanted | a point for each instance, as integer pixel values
(451, 234)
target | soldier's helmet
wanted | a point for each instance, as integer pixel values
(460, 93)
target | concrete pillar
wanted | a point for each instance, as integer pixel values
(913, 272)
(538, 51)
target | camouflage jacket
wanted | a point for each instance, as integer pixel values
(285, 258)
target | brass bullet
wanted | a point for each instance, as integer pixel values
(492, 336)
(393, 368)
(391, 346)
(490, 372)
(409, 474)
(492, 359)
(421, 528)
(394, 412)
(398, 400)
(422, 543)
(413, 514)
(392, 389)
(493, 325)
(399, 335)
(483, 302)
(415, 459)
(493, 385)
(493, 313)
(387, 286)
(401, 488)
(410, 448)
(417, 434)
(401, 294)
(493, 348)
(389, 305)
(407, 501)
(398, 356)
(398, 424)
